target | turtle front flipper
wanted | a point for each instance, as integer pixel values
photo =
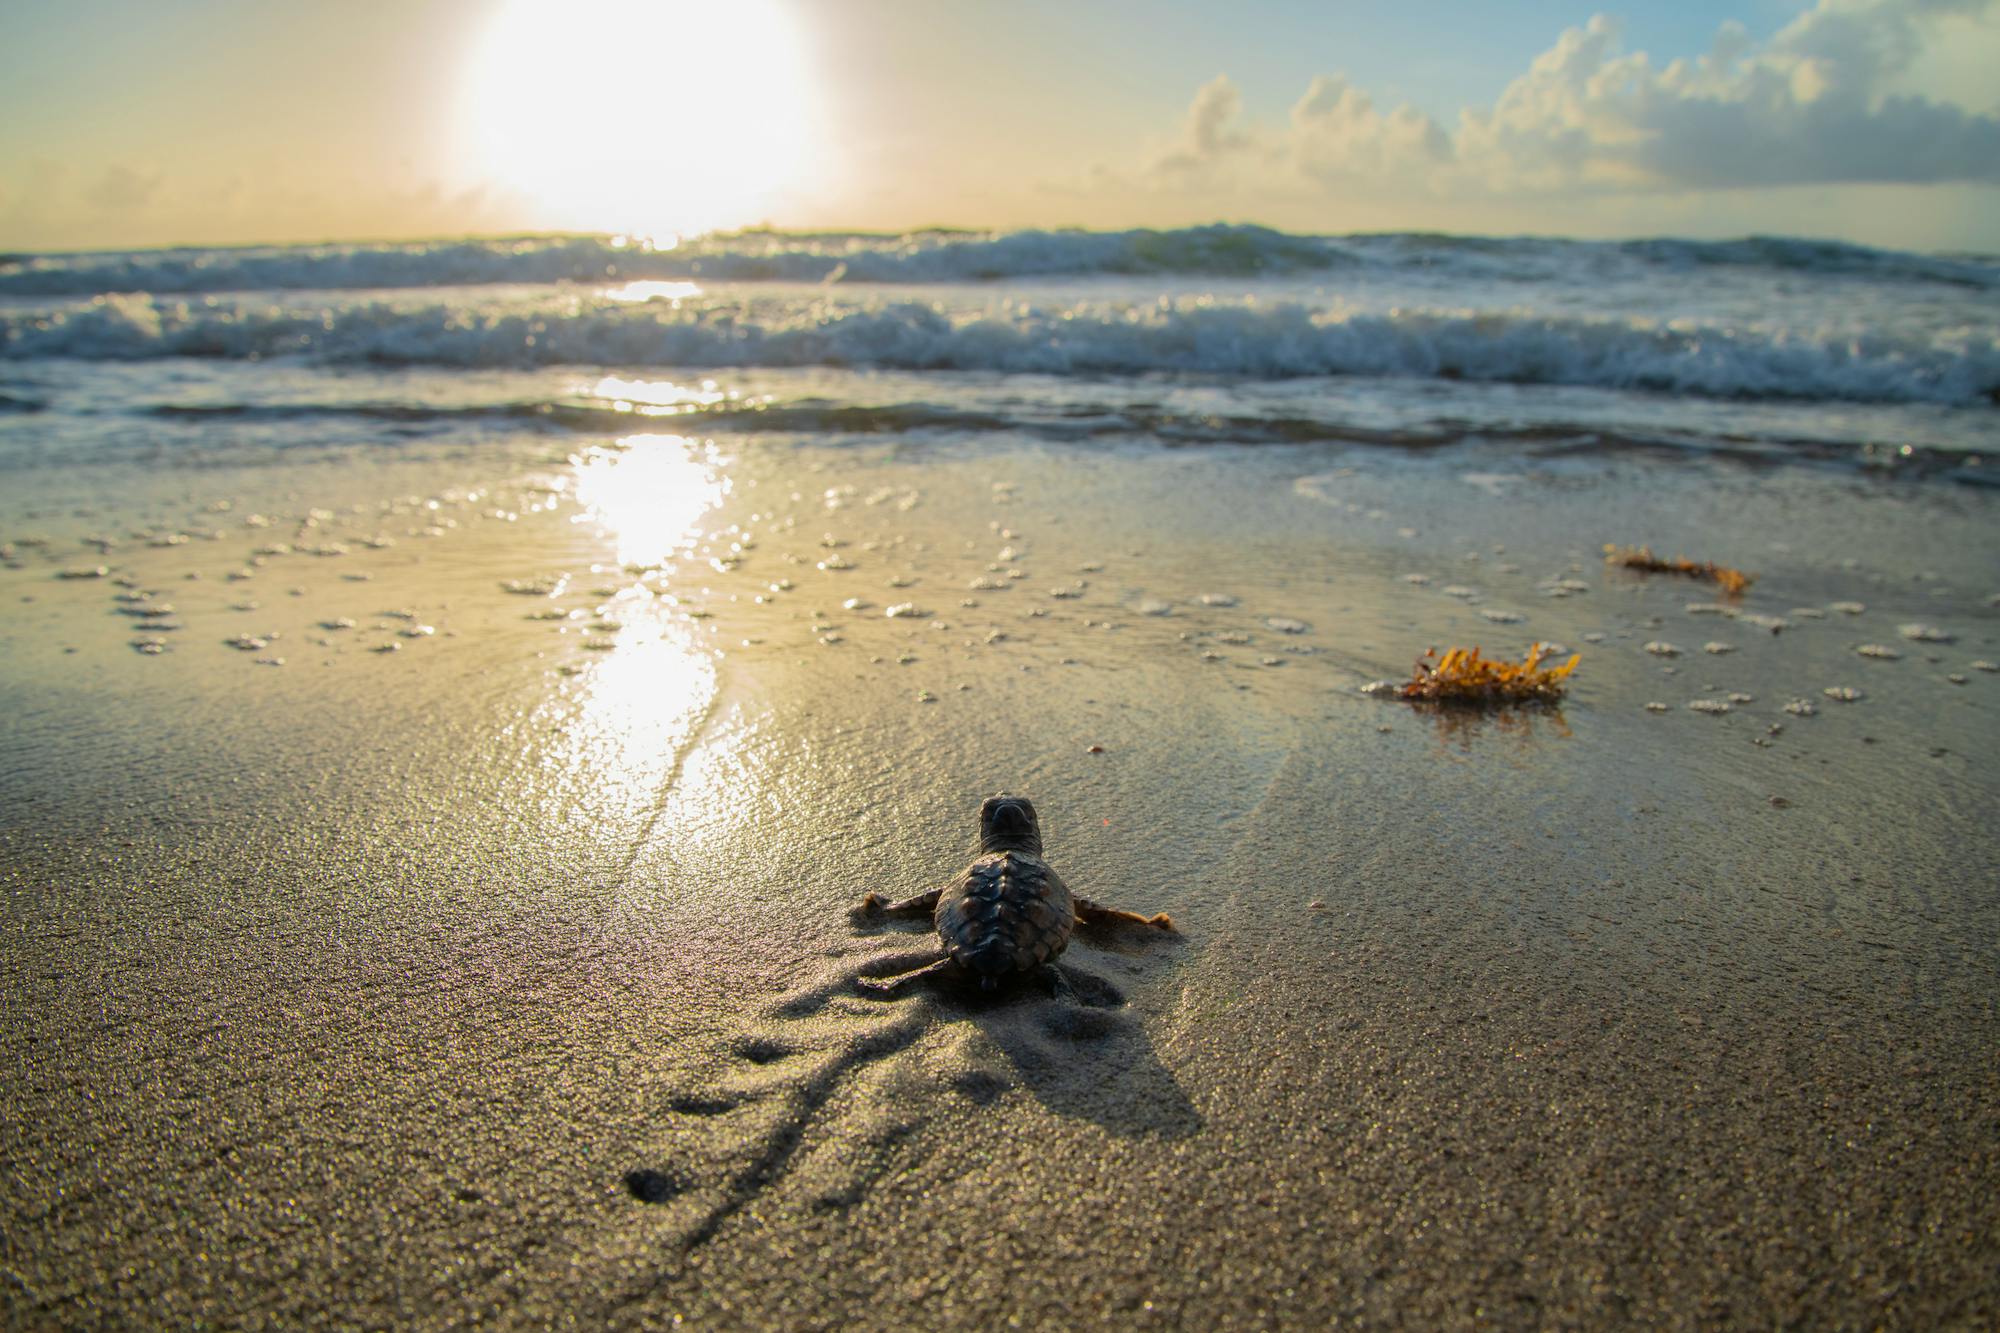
(1092, 914)
(890, 985)
(874, 906)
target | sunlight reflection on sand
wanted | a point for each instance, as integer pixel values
(649, 494)
(646, 696)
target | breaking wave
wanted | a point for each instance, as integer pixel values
(1268, 340)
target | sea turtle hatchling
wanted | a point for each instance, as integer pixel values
(1006, 914)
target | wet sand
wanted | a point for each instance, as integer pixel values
(506, 973)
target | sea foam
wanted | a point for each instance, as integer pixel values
(1232, 337)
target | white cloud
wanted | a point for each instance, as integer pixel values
(1825, 101)
(1337, 133)
(1805, 108)
(1212, 134)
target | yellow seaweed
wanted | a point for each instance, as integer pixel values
(1462, 676)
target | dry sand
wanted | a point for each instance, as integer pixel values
(507, 976)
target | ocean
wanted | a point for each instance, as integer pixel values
(1783, 350)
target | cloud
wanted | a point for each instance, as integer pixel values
(1812, 105)
(1805, 108)
(1211, 136)
(1336, 134)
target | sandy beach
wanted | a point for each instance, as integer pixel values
(469, 941)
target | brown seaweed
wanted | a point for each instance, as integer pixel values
(1732, 581)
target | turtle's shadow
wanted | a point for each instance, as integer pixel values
(1067, 1033)
(839, 1078)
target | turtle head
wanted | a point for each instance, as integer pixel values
(1008, 824)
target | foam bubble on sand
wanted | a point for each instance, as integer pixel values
(1460, 591)
(1879, 650)
(1217, 599)
(1500, 617)
(1983, 665)
(1286, 625)
(1925, 633)
(84, 572)
(1718, 648)
(836, 563)
(1716, 706)
(1661, 648)
(1846, 694)
(247, 643)
(906, 611)
(1656, 706)
(1802, 708)
(1152, 606)
(1847, 608)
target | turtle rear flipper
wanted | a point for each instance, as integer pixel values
(873, 906)
(1093, 914)
(891, 985)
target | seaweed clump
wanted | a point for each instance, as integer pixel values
(1462, 676)
(1732, 581)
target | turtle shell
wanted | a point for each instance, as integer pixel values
(1008, 913)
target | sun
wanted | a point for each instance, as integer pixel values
(653, 117)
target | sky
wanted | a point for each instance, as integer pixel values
(127, 123)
